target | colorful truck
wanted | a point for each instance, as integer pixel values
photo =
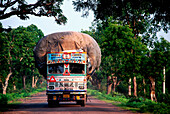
(66, 77)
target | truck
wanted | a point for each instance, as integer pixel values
(66, 77)
(66, 60)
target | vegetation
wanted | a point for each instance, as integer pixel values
(23, 8)
(134, 104)
(7, 100)
(17, 67)
(125, 57)
(131, 52)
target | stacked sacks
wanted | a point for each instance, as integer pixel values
(62, 41)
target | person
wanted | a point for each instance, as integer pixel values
(83, 71)
(60, 69)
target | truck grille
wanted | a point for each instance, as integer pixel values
(62, 84)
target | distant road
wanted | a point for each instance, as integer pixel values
(38, 104)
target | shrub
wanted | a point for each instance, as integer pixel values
(26, 94)
(134, 99)
(164, 98)
(160, 108)
(3, 100)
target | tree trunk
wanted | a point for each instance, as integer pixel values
(23, 80)
(109, 85)
(144, 84)
(114, 87)
(152, 94)
(114, 83)
(4, 86)
(99, 85)
(14, 86)
(164, 80)
(129, 87)
(109, 88)
(135, 87)
(33, 82)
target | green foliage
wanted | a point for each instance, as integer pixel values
(145, 17)
(17, 54)
(23, 93)
(139, 104)
(165, 98)
(22, 9)
(148, 106)
(3, 100)
(104, 96)
(159, 108)
(122, 88)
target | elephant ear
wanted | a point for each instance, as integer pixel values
(62, 41)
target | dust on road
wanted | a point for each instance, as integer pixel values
(38, 104)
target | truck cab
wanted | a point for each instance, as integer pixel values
(66, 77)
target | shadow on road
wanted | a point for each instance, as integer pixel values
(63, 107)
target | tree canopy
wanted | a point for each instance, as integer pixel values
(16, 53)
(145, 17)
(22, 8)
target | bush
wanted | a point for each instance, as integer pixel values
(3, 100)
(134, 99)
(26, 94)
(160, 108)
(164, 98)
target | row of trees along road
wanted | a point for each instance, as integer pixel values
(128, 52)
(16, 57)
(118, 61)
(16, 49)
(144, 17)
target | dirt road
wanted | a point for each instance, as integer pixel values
(38, 104)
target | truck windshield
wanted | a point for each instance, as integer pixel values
(76, 68)
(56, 68)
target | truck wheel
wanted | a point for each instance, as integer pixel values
(50, 103)
(57, 103)
(78, 102)
(83, 103)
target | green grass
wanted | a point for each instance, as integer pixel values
(9, 99)
(133, 104)
(102, 96)
(23, 93)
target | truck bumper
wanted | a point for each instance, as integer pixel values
(66, 96)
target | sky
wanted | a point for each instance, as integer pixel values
(48, 25)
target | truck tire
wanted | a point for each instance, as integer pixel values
(50, 103)
(57, 103)
(83, 102)
(78, 102)
(53, 103)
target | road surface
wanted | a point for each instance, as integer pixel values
(38, 104)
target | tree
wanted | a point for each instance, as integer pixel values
(143, 16)
(16, 53)
(153, 63)
(116, 42)
(21, 8)
(5, 62)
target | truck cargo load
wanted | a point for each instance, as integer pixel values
(62, 41)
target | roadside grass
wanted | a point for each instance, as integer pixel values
(134, 104)
(13, 97)
(8, 100)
